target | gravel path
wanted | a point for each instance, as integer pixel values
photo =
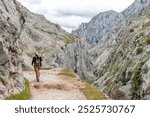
(54, 86)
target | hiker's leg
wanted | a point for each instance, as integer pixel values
(37, 74)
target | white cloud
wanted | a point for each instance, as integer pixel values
(71, 13)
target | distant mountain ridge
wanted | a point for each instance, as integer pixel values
(104, 23)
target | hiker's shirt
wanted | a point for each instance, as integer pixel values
(36, 61)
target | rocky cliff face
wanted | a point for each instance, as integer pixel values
(123, 69)
(100, 25)
(138, 8)
(121, 58)
(11, 80)
(104, 24)
(41, 35)
(77, 59)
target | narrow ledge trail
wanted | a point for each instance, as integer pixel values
(54, 86)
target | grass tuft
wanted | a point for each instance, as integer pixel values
(92, 93)
(68, 72)
(24, 95)
(89, 81)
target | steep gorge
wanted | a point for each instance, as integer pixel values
(112, 50)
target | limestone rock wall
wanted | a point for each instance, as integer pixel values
(11, 80)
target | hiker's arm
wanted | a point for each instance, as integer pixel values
(40, 58)
(32, 61)
(40, 61)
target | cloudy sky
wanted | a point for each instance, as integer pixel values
(71, 13)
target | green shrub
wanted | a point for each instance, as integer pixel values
(124, 81)
(24, 95)
(131, 30)
(147, 40)
(68, 72)
(136, 83)
(139, 50)
(117, 79)
(121, 53)
(130, 74)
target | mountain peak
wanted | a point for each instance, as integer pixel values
(141, 1)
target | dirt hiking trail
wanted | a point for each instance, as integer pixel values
(54, 86)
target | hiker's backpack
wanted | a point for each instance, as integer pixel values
(38, 61)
